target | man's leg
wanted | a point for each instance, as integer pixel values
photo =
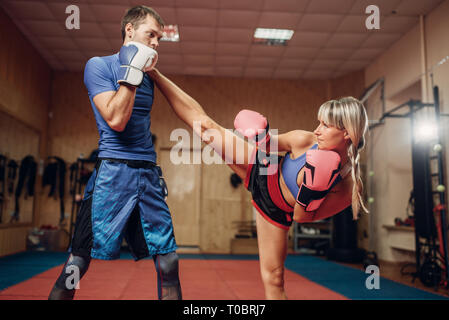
(150, 231)
(81, 244)
(73, 271)
(167, 268)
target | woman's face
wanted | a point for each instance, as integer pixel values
(329, 137)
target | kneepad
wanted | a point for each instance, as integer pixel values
(167, 266)
(79, 262)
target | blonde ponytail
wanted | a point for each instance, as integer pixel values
(357, 189)
(350, 114)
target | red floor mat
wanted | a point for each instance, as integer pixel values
(200, 280)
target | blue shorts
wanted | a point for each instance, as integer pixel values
(123, 200)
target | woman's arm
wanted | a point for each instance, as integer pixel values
(338, 199)
(293, 140)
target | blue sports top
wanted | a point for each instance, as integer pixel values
(133, 143)
(291, 168)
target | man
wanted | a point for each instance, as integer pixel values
(125, 196)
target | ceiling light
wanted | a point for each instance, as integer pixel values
(272, 36)
(170, 33)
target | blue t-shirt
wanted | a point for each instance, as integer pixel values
(133, 143)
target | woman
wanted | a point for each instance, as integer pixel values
(341, 129)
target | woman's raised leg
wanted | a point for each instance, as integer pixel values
(234, 150)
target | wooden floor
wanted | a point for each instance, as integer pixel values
(392, 271)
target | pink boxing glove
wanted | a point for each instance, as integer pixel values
(321, 173)
(252, 125)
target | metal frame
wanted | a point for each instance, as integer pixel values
(414, 106)
(442, 195)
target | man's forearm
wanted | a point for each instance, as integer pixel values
(121, 106)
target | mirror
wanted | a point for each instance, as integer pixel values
(19, 151)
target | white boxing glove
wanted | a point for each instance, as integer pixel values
(134, 57)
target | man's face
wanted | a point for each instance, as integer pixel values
(149, 32)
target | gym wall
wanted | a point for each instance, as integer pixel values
(210, 205)
(402, 67)
(56, 105)
(25, 80)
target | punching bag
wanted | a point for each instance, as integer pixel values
(344, 239)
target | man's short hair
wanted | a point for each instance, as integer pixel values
(136, 15)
